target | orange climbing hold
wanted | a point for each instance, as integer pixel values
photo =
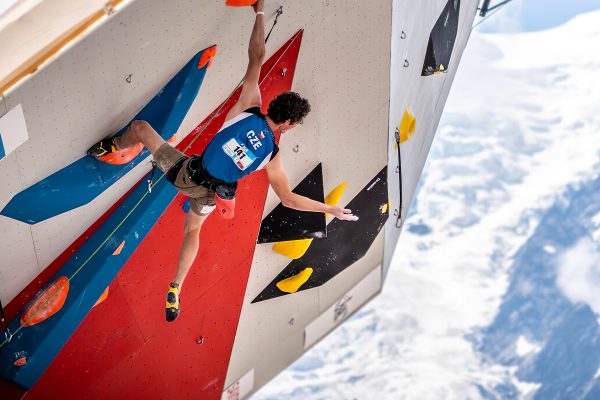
(239, 3)
(21, 361)
(47, 303)
(120, 157)
(102, 297)
(207, 57)
(119, 248)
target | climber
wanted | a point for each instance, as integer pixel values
(244, 144)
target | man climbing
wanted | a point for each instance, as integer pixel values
(244, 144)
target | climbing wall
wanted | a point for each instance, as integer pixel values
(248, 310)
(424, 95)
(277, 327)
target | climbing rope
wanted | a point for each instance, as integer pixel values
(7, 334)
(399, 171)
(279, 12)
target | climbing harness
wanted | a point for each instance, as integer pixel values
(150, 180)
(8, 335)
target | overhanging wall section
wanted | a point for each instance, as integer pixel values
(424, 95)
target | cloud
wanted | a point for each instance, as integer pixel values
(579, 274)
(506, 19)
(525, 347)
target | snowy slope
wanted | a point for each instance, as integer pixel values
(517, 148)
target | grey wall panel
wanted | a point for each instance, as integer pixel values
(288, 351)
(426, 96)
(18, 262)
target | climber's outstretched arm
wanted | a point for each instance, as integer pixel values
(250, 96)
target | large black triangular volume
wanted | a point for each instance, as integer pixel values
(283, 224)
(346, 242)
(441, 40)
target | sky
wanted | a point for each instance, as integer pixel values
(535, 15)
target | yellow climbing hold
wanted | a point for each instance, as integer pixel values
(383, 208)
(293, 249)
(293, 283)
(333, 198)
(407, 125)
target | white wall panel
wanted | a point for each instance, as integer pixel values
(18, 263)
(343, 307)
(240, 388)
(13, 130)
(343, 69)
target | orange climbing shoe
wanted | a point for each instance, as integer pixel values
(172, 306)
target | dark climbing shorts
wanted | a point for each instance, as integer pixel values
(202, 200)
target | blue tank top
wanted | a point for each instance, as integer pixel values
(243, 145)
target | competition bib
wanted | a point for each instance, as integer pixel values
(240, 154)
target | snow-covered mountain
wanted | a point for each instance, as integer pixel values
(495, 291)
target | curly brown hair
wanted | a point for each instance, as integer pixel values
(288, 106)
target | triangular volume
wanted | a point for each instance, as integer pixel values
(441, 40)
(346, 243)
(286, 224)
